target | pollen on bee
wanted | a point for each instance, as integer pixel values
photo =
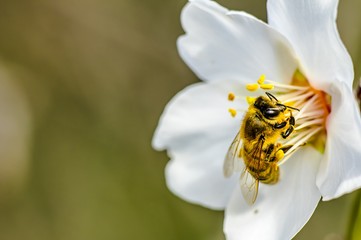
(250, 100)
(252, 87)
(261, 79)
(232, 111)
(231, 96)
(267, 86)
(280, 154)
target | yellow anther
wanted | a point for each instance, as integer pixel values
(267, 86)
(231, 97)
(250, 100)
(279, 155)
(252, 87)
(261, 79)
(233, 112)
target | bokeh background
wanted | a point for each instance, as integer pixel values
(82, 86)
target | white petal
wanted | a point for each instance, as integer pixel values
(281, 210)
(340, 170)
(310, 26)
(197, 130)
(224, 45)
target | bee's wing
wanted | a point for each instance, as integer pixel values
(232, 159)
(249, 187)
(249, 184)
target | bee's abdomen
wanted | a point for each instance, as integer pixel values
(265, 171)
(268, 175)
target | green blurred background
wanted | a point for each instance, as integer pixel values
(82, 86)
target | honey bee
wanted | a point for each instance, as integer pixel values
(257, 144)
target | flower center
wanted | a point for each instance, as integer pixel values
(308, 106)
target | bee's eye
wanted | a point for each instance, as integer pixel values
(271, 112)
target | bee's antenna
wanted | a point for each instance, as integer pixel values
(293, 108)
(271, 97)
(280, 104)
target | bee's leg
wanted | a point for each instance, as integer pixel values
(269, 151)
(279, 152)
(279, 125)
(282, 151)
(289, 130)
(288, 147)
(285, 148)
(274, 152)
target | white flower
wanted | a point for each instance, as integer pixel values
(229, 49)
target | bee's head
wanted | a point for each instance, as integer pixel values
(269, 108)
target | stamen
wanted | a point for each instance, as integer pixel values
(297, 137)
(261, 79)
(231, 96)
(250, 100)
(288, 95)
(284, 86)
(299, 97)
(299, 143)
(232, 111)
(309, 123)
(313, 114)
(252, 87)
(304, 108)
(267, 86)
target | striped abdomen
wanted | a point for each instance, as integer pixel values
(260, 165)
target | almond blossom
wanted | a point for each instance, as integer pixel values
(228, 51)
